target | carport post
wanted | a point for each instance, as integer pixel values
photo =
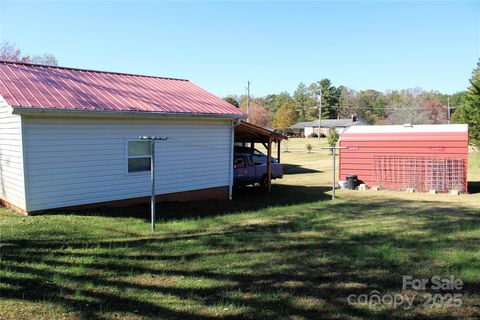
(269, 165)
(278, 150)
(152, 140)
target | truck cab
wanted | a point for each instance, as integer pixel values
(247, 172)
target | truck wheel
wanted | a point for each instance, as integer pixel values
(264, 182)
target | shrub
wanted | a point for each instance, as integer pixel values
(315, 135)
(309, 147)
(332, 137)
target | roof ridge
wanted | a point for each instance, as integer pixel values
(88, 70)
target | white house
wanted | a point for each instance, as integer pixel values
(325, 124)
(70, 137)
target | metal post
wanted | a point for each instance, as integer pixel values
(152, 171)
(334, 174)
(334, 152)
(152, 140)
(232, 148)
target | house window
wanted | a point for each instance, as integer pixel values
(139, 156)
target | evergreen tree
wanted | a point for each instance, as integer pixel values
(469, 112)
(232, 101)
(330, 98)
(300, 101)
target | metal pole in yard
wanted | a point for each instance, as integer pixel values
(152, 173)
(334, 174)
(152, 140)
(334, 152)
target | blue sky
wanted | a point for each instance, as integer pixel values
(275, 45)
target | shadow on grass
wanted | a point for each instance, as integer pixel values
(244, 199)
(298, 169)
(303, 265)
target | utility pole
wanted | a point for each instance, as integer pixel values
(248, 101)
(152, 140)
(448, 109)
(319, 114)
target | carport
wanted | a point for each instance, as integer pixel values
(249, 133)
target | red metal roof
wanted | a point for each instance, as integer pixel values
(36, 86)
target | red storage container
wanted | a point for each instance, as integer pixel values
(421, 157)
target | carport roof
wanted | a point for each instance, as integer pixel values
(248, 132)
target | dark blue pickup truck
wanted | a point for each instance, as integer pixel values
(247, 172)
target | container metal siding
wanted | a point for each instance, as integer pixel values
(414, 136)
(394, 149)
(362, 147)
(81, 161)
(26, 85)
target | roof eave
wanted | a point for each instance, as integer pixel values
(44, 111)
(247, 127)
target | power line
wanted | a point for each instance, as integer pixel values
(370, 108)
(383, 108)
(187, 144)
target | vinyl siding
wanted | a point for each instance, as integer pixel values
(11, 157)
(81, 161)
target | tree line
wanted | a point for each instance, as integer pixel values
(415, 105)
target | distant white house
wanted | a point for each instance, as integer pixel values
(325, 124)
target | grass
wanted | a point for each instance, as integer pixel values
(291, 254)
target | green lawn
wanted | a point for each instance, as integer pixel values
(291, 254)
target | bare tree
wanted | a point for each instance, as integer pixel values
(259, 114)
(10, 52)
(47, 59)
(347, 104)
(407, 108)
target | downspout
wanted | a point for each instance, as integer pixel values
(232, 142)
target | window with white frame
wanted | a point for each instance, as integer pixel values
(139, 155)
